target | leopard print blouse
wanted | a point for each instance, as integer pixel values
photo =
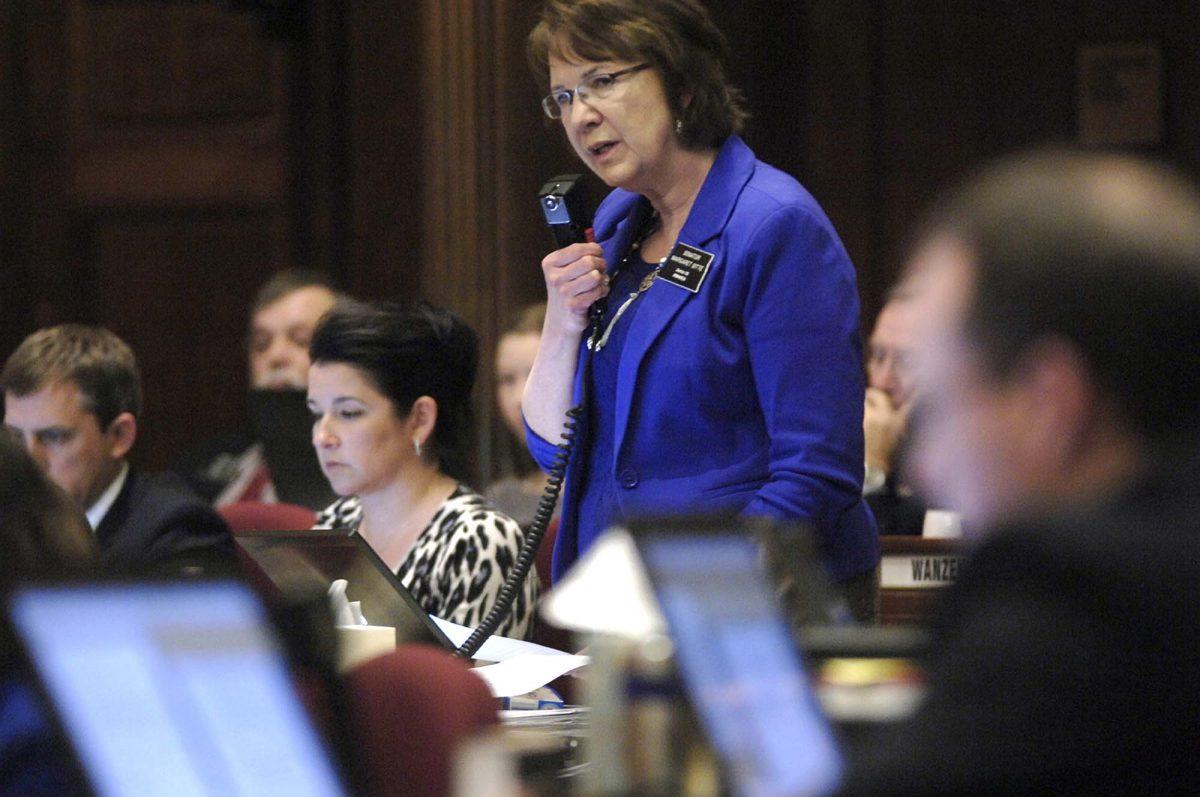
(459, 561)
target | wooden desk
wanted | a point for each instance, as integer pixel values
(912, 574)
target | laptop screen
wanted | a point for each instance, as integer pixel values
(174, 689)
(739, 664)
(313, 559)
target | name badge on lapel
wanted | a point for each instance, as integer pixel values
(686, 267)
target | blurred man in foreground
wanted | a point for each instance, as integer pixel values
(73, 396)
(1059, 302)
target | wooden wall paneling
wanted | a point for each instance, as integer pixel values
(16, 297)
(1183, 99)
(196, 114)
(769, 51)
(318, 139)
(486, 154)
(175, 182)
(386, 158)
(459, 211)
(941, 88)
(841, 146)
(459, 158)
(1025, 82)
(528, 150)
(48, 248)
(177, 284)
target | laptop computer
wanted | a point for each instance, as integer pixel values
(171, 688)
(737, 660)
(312, 559)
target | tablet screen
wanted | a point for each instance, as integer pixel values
(739, 664)
(174, 689)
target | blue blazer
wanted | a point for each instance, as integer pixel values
(746, 396)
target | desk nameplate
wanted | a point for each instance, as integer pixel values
(918, 571)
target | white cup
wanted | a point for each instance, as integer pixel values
(941, 523)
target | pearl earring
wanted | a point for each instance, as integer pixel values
(678, 127)
(417, 445)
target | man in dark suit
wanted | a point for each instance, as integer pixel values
(73, 395)
(1059, 296)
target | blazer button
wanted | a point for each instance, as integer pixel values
(628, 478)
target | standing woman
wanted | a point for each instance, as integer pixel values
(390, 393)
(726, 372)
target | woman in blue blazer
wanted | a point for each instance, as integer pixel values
(725, 373)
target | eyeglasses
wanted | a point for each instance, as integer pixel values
(592, 87)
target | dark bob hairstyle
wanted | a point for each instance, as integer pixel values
(407, 353)
(677, 37)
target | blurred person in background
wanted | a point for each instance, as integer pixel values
(389, 390)
(891, 390)
(73, 396)
(517, 495)
(232, 467)
(724, 375)
(1059, 304)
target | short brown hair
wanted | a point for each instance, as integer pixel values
(288, 281)
(677, 37)
(99, 363)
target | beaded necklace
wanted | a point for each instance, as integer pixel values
(598, 339)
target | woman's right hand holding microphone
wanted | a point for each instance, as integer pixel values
(576, 277)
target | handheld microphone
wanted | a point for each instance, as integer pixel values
(564, 203)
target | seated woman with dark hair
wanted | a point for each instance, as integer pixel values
(42, 533)
(390, 393)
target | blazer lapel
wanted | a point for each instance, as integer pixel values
(115, 517)
(714, 205)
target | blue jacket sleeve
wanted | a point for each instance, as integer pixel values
(540, 448)
(801, 325)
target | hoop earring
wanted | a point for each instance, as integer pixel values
(417, 446)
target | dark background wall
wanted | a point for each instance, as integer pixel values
(159, 158)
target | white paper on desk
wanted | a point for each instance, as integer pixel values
(607, 591)
(526, 672)
(495, 648)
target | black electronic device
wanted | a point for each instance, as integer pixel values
(282, 423)
(564, 203)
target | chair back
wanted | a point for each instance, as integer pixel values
(255, 516)
(411, 710)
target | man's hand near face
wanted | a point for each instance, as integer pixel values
(884, 425)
